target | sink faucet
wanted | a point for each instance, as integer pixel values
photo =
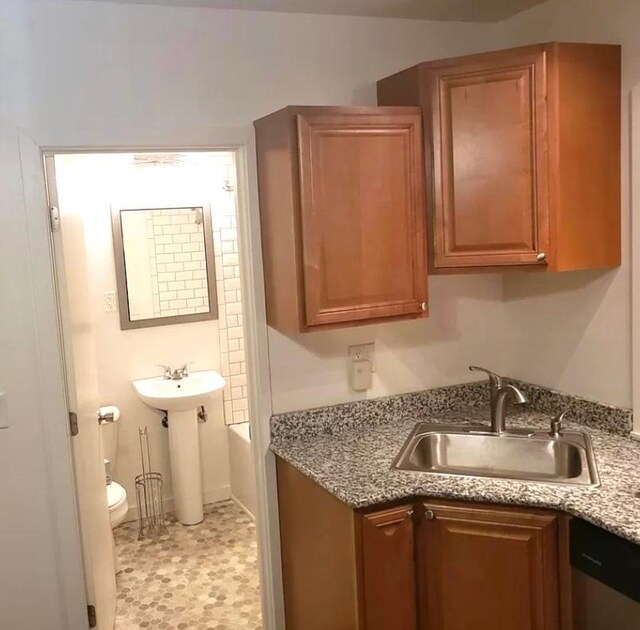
(499, 415)
(555, 427)
(495, 383)
(499, 393)
(175, 375)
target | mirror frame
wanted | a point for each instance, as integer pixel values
(121, 272)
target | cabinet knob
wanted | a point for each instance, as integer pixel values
(541, 257)
(429, 515)
(423, 306)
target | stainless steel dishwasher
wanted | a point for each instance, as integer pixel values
(606, 579)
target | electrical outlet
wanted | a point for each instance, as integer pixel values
(364, 352)
(109, 301)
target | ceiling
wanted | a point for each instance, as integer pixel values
(454, 10)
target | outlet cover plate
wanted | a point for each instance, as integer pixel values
(364, 351)
(110, 302)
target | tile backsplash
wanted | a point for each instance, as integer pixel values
(231, 330)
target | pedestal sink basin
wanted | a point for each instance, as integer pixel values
(181, 399)
(187, 393)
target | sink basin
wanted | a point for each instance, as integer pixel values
(476, 452)
(187, 393)
(181, 399)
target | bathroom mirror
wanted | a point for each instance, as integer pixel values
(165, 269)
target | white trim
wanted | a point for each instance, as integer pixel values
(215, 495)
(243, 507)
(635, 256)
(241, 141)
(53, 403)
(259, 379)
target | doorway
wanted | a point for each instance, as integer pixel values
(173, 581)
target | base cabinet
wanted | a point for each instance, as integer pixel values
(388, 575)
(488, 568)
(420, 565)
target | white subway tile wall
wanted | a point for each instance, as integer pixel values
(229, 291)
(177, 261)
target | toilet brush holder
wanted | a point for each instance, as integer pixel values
(149, 493)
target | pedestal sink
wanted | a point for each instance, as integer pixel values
(181, 399)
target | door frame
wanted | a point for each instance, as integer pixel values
(634, 190)
(239, 140)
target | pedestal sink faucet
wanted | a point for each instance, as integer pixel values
(175, 375)
(500, 393)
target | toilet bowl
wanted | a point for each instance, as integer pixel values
(118, 508)
(118, 505)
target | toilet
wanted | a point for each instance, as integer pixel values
(118, 505)
(116, 494)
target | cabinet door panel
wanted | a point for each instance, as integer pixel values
(490, 162)
(388, 570)
(363, 223)
(488, 569)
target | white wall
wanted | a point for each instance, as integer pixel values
(573, 331)
(464, 328)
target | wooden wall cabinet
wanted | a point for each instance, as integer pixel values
(421, 565)
(523, 155)
(342, 209)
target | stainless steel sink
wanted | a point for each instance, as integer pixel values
(474, 451)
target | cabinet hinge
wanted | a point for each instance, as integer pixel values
(91, 614)
(73, 423)
(54, 218)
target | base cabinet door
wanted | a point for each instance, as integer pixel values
(487, 569)
(388, 570)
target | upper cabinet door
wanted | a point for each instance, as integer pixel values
(362, 216)
(523, 155)
(488, 124)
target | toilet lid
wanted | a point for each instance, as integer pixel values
(116, 494)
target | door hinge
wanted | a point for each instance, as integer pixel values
(91, 613)
(73, 423)
(54, 218)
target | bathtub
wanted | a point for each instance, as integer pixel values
(243, 479)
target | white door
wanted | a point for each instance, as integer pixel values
(83, 399)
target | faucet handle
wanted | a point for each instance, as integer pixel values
(494, 379)
(166, 369)
(184, 368)
(555, 426)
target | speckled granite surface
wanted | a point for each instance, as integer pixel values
(349, 415)
(349, 453)
(589, 413)
(337, 418)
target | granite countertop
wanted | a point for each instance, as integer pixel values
(353, 462)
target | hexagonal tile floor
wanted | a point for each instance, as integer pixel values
(202, 577)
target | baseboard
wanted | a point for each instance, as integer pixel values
(221, 493)
(243, 507)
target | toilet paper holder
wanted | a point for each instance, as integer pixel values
(108, 415)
